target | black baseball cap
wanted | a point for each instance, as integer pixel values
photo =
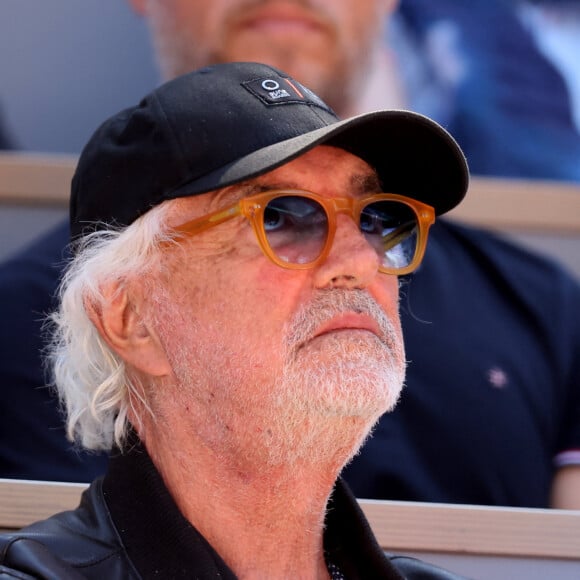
(227, 123)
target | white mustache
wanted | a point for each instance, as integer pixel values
(334, 302)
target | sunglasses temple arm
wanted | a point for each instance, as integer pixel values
(200, 225)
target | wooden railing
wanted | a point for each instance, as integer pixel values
(30, 178)
(479, 541)
(496, 203)
(23, 502)
(477, 530)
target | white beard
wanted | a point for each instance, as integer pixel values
(320, 406)
(345, 382)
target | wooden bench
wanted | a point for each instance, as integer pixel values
(30, 178)
(482, 542)
(479, 541)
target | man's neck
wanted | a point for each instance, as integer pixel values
(264, 522)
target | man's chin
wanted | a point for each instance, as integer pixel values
(345, 392)
(331, 438)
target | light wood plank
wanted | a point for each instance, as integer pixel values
(23, 502)
(399, 526)
(477, 530)
(31, 178)
(497, 203)
(523, 205)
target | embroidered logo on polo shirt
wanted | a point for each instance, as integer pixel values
(497, 378)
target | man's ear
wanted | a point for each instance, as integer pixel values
(138, 6)
(121, 326)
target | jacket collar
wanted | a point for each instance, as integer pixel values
(159, 540)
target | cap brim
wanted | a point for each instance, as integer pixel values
(412, 155)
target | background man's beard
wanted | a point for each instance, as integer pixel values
(336, 83)
(333, 87)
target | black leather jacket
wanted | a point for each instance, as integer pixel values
(128, 527)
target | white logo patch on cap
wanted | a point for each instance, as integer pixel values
(280, 90)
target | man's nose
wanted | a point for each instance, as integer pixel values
(352, 261)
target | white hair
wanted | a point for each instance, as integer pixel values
(90, 379)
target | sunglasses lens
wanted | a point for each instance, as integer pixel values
(296, 228)
(391, 227)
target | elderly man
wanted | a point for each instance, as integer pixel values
(229, 326)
